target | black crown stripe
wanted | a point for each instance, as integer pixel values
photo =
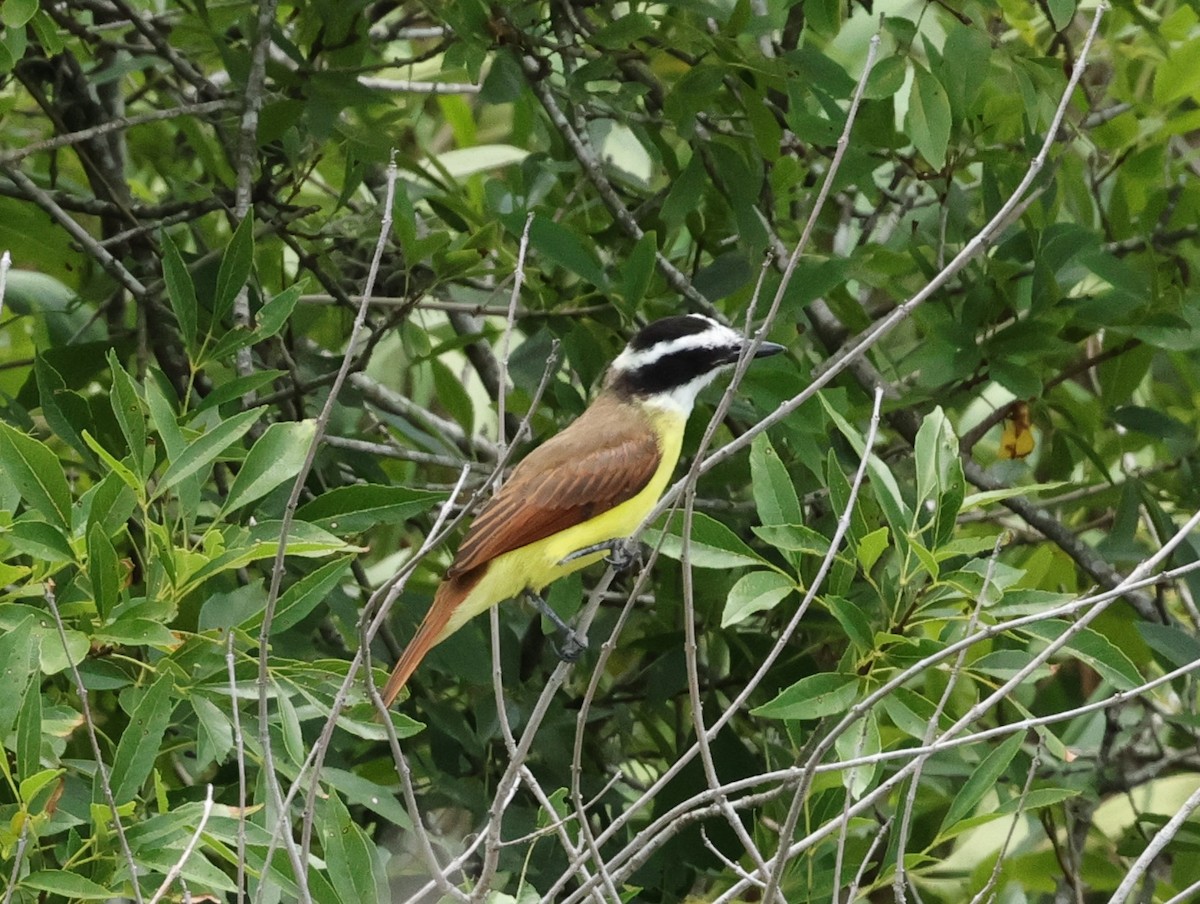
(674, 370)
(667, 329)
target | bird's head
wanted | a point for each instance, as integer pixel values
(669, 361)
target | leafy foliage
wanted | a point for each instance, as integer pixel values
(885, 657)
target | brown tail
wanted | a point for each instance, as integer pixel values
(449, 596)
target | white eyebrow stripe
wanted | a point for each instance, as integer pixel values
(715, 337)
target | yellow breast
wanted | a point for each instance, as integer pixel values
(534, 566)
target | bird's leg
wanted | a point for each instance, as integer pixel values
(573, 644)
(622, 552)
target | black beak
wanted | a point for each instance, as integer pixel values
(769, 348)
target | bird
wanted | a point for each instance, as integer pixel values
(576, 497)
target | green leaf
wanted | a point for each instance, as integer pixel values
(362, 792)
(1120, 377)
(140, 741)
(181, 292)
(1152, 422)
(887, 78)
(214, 733)
(911, 713)
(19, 653)
(1003, 664)
(29, 732)
(861, 740)
(713, 545)
(348, 855)
(262, 542)
(31, 786)
(302, 597)
(965, 58)
(755, 592)
(127, 406)
(237, 337)
(794, 538)
(1094, 649)
(235, 268)
(55, 657)
(566, 248)
(118, 468)
(887, 491)
(453, 396)
(685, 189)
(466, 161)
(1061, 13)
(1022, 381)
(66, 412)
(982, 780)
(164, 420)
(68, 885)
(204, 450)
(986, 498)
(275, 313)
(275, 457)
(928, 120)
(137, 632)
(1036, 799)
(774, 494)
(853, 621)
(16, 13)
(47, 32)
(871, 547)
(503, 84)
(234, 389)
(104, 570)
(37, 475)
(622, 32)
(42, 541)
(935, 449)
(1178, 76)
(638, 269)
(289, 724)
(1173, 644)
(349, 510)
(814, 697)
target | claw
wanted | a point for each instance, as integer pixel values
(572, 644)
(572, 647)
(622, 552)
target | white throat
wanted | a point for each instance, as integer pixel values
(680, 400)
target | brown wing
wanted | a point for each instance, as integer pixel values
(605, 457)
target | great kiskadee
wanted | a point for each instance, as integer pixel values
(586, 487)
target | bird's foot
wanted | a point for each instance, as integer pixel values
(622, 552)
(572, 647)
(571, 644)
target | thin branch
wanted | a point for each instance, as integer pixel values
(408, 86)
(116, 125)
(177, 867)
(239, 751)
(42, 199)
(18, 860)
(264, 682)
(461, 307)
(506, 339)
(633, 856)
(596, 175)
(973, 714)
(843, 526)
(899, 881)
(89, 723)
(985, 893)
(5, 266)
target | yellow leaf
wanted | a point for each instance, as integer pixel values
(1018, 440)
